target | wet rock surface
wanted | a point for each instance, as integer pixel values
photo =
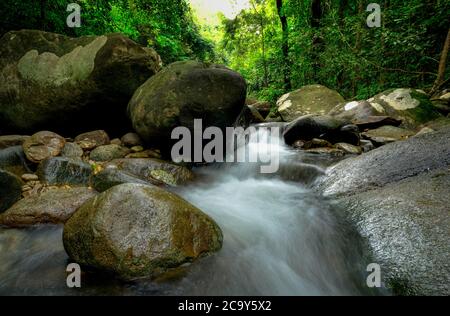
(138, 231)
(52, 206)
(397, 198)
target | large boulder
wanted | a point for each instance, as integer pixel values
(154, 170)
(182, 92)
(56, 81)
(412, 107)
(313, 99)
(138, 231)
(10, 189)
(397, 197)
(53, 206)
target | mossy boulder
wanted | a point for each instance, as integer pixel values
(56, 82)
(109, 152)
(412, 107)
(110, 177)
(138, 231)
(312, 99)
(182, 92)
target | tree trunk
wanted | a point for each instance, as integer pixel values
(263, 43)
(285, 45)
(442, 66)
(317, 41)
(43, 15)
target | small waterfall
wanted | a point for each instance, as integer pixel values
(280, 238)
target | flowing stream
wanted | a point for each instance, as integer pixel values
(280, 238)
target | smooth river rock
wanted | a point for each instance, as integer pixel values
(138, 231)
(53, 206)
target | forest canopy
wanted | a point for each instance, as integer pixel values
(277, 45)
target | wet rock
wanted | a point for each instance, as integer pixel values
(365, 115)
(334, 152)
(43, 145)
(108, 153)
(406, 225)
(111, 177)
(116, 141)
(317, 143)
(412, 107)
(10, 189)
(366, 145)
(131, 140)
(12, 140)
(262, 107)
(145, 154)
(137, 149)
(53, 206)
(29, 177)
(396, 196)
(58, 82)
(324, 127)
(387, 134)
(313, 99)
(388, 164)
(92, 140)
(349, 149)
(64, 171)
(138, 231)
(72, 150)
(182, 92)
(154, 169)
(13, 159)
(249, 116)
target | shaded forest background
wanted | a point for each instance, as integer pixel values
(277, 45)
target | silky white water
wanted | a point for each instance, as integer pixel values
(280, 238)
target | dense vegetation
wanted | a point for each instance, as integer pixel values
(278, 45)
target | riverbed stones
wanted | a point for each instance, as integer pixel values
(154, 169)
(10, 189)
(13, 159)
(72, 150)
(64, 171)
(312, 99)
(43, 145)
(12, 140)
(53, 206)
(92, 140)
(109, 152)
(387, 134)
(131, 140)
(182, 92)
(138, 231)
(56, 82)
